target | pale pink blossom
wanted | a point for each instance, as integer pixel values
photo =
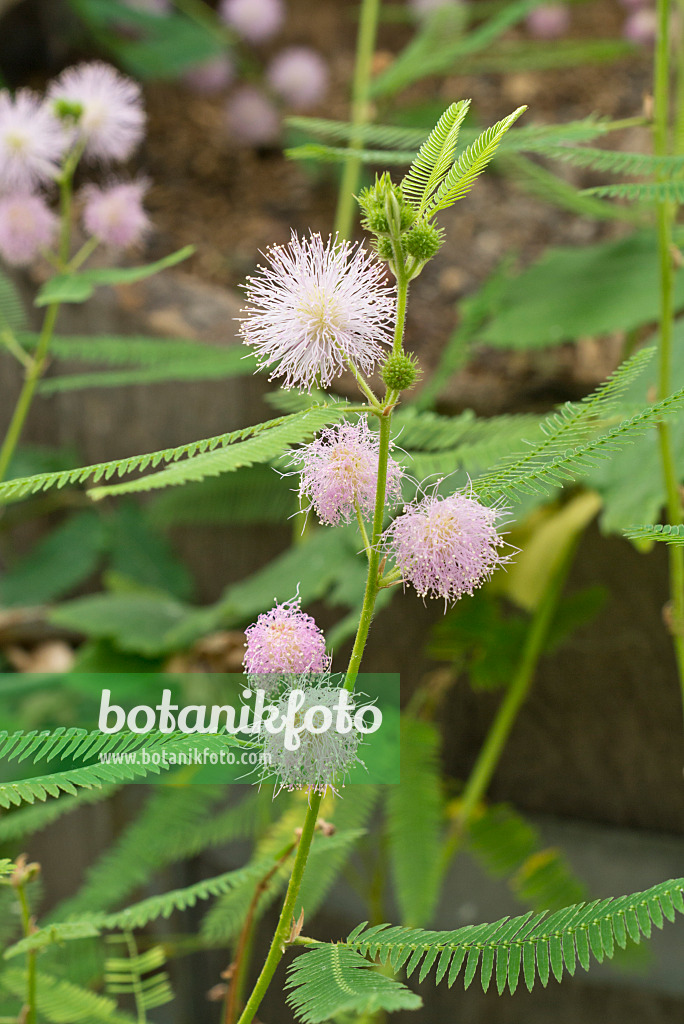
(339, 473)
(106, 108)
(252, 119)
(317, 307)
(257, 21)
(641, 27)
(300, 76)
(548, 21)
(115, 213)
(446, 546)
(285, 641)
(27, 226)
(211, 77)
(32, 141)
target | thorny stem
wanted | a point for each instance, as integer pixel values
(665, 214)
(516, 694)
(373, 584)
(30, 1008)
(365, 45)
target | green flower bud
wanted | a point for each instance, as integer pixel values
(400, 371)
(384, 208)
(67, 110)
(423, 241)
(384, 249)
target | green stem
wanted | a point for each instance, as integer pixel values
(30, 1016)
(12, 345)
(365, 46)
(23, 405)
(362, 528)
(665, 214)
(360, 380)
(402, 302)
(516, 694)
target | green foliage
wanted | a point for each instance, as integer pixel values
(470, 165)
(296, 423)
(79, 287)
(29, 820)
(139, 975)
(331, 980)
(612, 161)
(573, 293)
(643, 192)
(435, 157)
(61, 1002)
(248, 496)
(414, 813)
(510, 848)
(12, 312)
(539, 943)
(667, 533)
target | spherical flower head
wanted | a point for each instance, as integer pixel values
(283, 642)
(339, 473)
(106, 108)
(27, 225)
(641, 27)
(251, 118)
(257, 21)
(317, 306)
(300, 76)
(446, 547)
(549, 21)
(32, 141)
(324, 756)
(115, 214)
(212, 76)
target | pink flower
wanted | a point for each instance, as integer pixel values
(255, 20)
(446, 547)
(549, 21)
(106, 107)
(115, 214)
(27, 225)
(252, 118)
(340, 472)
(210, 77)
(32, 141)
(285, 641)
(300, 76)
(641, 27)
(317, 307)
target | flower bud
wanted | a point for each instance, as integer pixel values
(423, 241)
(385, 210)
(400, 371)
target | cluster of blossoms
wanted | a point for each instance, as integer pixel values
(284, 642)
(90, 112)
(296, 76)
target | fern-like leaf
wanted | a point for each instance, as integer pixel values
(331, 980)
(29, 820)
(12, 312)
(61, 1002)
(470, 165)
(140, 975)
(533, 942)
(669, 191)
(435, 157)
(613, 161)
(667, 533)
(20, 487)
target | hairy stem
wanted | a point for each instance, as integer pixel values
(516, 694)
(665, 214)
(30, 1006)
(365, 45)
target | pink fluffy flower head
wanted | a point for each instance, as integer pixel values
(32, 141)
(257, 21)
(300, 76)
(212, 76)
(251, 117)
(106, 108)
(446, 547)
(339, 472)
(549, 21)
(641, 27)
(285, 641)
(115, 214)
(27, 225)
(316, 307)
